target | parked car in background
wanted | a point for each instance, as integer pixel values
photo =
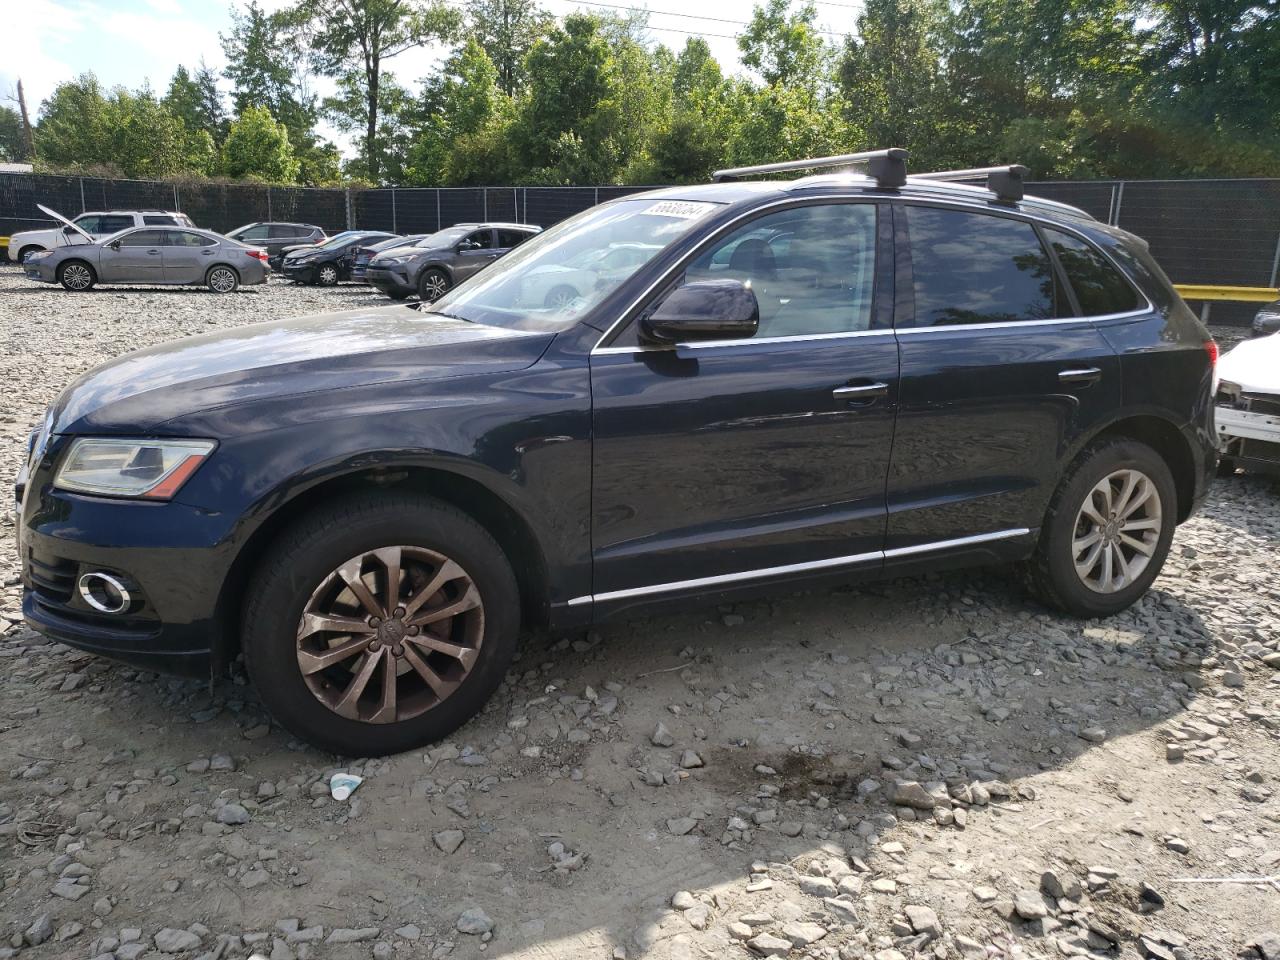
(276, 237)
(151, 255)
(557, 285)
(1267, 320)
(362, 255)
(89, 227)
(1248, 414)
(444, 259)
(804, 383)
(327, 263)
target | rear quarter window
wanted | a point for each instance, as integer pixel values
(1100, 288)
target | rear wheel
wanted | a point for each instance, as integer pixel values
(76, 275)
(432, 285)
(327, 275)
(222, 279)
(1108, 530)
(380, 624)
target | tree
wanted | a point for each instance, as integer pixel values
(71, 130)
(351, 40)
(506, 31)
(196, 101)
(689, 142)
(12, 142)
(258, 146)
(784, 48)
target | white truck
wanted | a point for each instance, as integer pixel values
(96, 223)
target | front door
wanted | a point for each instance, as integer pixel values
(475, 251)
(1001, 376)
(135, 257)
(733, 462)
(187, 256)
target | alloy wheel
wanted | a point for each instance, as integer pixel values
(1117, 531)
(434, 286)
(390, 634)
(222, 280)
(77, 276)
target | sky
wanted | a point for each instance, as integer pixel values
(130, 42)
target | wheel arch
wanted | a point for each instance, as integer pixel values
(93, 269)
(29, 248)
(507, 525)
(223, 263)
(1168, 441)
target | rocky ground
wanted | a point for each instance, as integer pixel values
(930, 767)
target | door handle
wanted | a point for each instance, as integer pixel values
(861, 392)
(153, 253)
(206, 253)
(1083, 375)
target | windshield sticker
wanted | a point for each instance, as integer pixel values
(681, 209)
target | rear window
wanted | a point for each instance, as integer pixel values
(185, 238)
(159, 220)
(1099, 286)
(280, 230)
(976, 268)
(512, 238)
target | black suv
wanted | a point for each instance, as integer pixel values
(275, 237)
(800, 382)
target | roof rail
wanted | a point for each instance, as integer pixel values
(887, 167)
(1005, 182)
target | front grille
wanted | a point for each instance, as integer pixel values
(54, 580)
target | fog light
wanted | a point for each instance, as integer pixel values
(104, 592)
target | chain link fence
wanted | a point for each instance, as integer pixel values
(1223, 232)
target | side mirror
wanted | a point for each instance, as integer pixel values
(704, 310)
(114, 244)
(465, 245)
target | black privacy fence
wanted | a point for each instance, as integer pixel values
(1223, 232)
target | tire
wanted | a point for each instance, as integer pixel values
(327, 275)
(76, 276)
(27, 251)
(222, 279)
(1052, 569)
(432, 285)
(303, 572)
(397, 294)
(560, 297)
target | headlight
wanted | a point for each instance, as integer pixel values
(153, 469)
(39, 255)
(382, 263)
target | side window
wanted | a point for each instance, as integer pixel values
(279, 231)
(979, 268)
(258, 232)
(143, 238)
(512, 238)
(159, 220)
(483, 239)
(812, 268)
(108, 223)
(185, 238)
(1098, 285)
(88, 224)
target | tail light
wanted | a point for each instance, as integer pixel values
(1211, 348)
(258, 255)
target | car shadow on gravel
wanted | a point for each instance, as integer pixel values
(788, 726)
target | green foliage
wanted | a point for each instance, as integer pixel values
(258, 147)
(784, 47)
(12, 147)
(506, 31)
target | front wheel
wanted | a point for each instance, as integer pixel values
(432, 285)
(76, 275)
(222, 280)
(380, 624)
(1107, 531)
(327, 275)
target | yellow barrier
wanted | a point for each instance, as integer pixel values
(1191, 291)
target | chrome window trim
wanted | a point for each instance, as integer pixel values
(976, 205)
(767, 572)
(746, 341)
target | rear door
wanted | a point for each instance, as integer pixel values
(187, 256)
(1001, 376)
(138, 258)
(723, 464)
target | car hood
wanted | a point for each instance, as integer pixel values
(353, 349)
(402, 252)
(1253, 365)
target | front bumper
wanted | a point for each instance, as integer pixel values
(300, 272)
(40, 270)
(174, 557)
(389, 279)
(1250, 438)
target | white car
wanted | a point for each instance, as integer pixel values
(555, 287)
(1248, 411)
(96, 223)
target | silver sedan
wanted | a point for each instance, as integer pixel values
(152, 255)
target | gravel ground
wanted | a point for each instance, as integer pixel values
(926, 767)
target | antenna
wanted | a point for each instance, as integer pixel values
(887, 167)
(1005, 182)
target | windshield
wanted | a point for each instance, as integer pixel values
(443, 238)
(337, 240)
(552, 280)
